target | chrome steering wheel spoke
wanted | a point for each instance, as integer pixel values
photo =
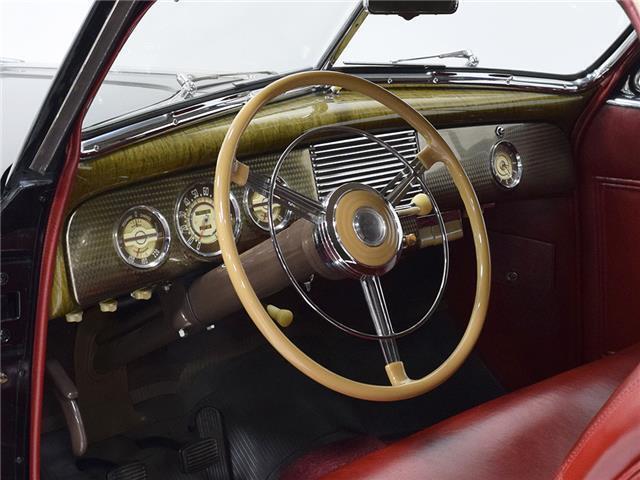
(305, 207)
(374, 296)
(399, 185)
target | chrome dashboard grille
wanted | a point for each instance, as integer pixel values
(358, 159)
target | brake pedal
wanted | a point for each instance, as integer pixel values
(198, 455)
(131, 471)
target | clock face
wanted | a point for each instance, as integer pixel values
(195, 219)
(257, 207)
(506, 164)
(142, 237)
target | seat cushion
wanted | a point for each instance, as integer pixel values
(610, 446)
(525, 435)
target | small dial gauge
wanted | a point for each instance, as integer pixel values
(195, 219)
(142, 237)
(257, 207)
(506, 164)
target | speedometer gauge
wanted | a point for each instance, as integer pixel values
(142, 237)
(257, 207)
(195, 219)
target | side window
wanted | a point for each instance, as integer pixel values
(34, 38)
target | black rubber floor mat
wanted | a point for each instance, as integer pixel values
(132, 471)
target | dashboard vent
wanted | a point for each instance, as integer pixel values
(358, 159)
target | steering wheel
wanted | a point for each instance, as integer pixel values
(354, 233)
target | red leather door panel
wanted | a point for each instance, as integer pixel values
(609, 184)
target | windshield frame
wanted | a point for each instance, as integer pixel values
(112, 134)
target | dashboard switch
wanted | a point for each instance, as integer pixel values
(108, 306)
(141, 294)
(74, 317)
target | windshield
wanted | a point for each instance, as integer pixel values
(550, 37)
(188, 48)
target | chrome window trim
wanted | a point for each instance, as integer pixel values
(624, 102)
(344, 36)
(133, 133)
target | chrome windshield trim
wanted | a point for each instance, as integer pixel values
(154, 126)
(516, 81)
(343, 37)
(143, 130)
(624, 102)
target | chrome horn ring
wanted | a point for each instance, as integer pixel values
(301, 291)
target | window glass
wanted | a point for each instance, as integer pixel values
(553, 37)
(34, 38)
(215, 43)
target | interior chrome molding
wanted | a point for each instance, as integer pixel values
(344, 36)
(154, 126)
(629, 94)
(129, 134)
(624, 102)
(521, 82)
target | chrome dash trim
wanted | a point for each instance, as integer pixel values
(624, 102)
(154, 126)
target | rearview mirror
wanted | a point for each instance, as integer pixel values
(408, 9)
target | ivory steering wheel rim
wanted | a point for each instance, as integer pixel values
(436, 151)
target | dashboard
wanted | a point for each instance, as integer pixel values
(131, 239)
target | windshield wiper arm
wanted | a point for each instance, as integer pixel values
(472, 60)
(189, 83)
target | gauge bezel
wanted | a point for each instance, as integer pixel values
(166, 244)
(286, 217)
(236, 226)
(514, 154)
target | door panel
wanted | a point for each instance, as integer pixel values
(609, 183)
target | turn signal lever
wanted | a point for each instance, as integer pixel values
(212, 296)
(420, 206)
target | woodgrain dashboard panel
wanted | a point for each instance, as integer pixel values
(196, 146)
(96, 272)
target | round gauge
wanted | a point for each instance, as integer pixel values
(195, 218)
(506, 165)
(257, 207)
(142, 237)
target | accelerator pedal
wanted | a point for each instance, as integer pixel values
(211, 446)
(131, 471)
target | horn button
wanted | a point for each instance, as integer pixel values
(369, 226)
(361, 232)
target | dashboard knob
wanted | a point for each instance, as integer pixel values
(282, 316)
(423, 203)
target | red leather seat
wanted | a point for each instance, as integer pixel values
(529, 434)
